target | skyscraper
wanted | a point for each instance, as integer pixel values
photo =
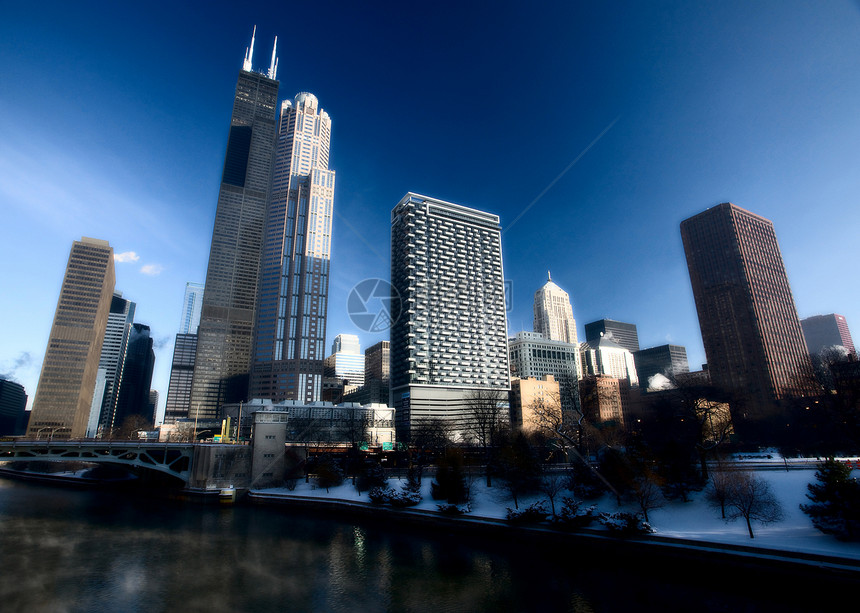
(64, 396)
(346, 362)
(178, 404)
(13, 405)
(750, 329)
(451, 339)
(229, 302)
(133, 397)
(192, 304)
(289, 334)
(618, 332)
(666, 360)
(554, 313)
(112, 358)
(822, 331)
(377, 360)
(606, 357)
(532, 355)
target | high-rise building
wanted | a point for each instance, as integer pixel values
(192, 304)
(532, 355)
(229, 303)
(618, 332)
(112, 359)
(289, 336)
(376, 362)
(603, 356)
(666, 360)
(133, 397)
(451, 340)
(750, 329)
(822, 331)
(346, 362)
(13, 408)
(64, 396)
(178, 403)
(554, 313)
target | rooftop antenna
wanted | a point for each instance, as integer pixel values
(273, 67)
(548, 276)
(249, 52)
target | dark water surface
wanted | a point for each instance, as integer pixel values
(71, 550)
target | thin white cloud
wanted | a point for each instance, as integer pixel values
(152, 270)
(126, 256)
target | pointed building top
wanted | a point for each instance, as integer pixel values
(249, 53)
(273, 67)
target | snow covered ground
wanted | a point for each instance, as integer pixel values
(691, 520)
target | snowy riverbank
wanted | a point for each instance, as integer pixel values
(693, 520)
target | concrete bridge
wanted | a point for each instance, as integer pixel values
(201, 466)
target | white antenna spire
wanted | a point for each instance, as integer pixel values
(273, 67)
(249, 52)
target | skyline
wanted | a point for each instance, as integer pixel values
(110, 135)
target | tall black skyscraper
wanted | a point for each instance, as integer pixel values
(229, 302)
(134, 387)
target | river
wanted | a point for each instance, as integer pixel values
(74, 550)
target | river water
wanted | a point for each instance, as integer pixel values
(73, 550)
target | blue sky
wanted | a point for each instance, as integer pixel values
(114, 118)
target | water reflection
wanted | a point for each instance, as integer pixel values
(64, 550)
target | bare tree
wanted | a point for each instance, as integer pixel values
(486, 418)
(568, 428)
(552, 485)
(133, 424)
(750, 497)
(718, 489)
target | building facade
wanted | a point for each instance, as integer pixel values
(750, 329)
(223, 360)
(606, 357)
(64, 396)
(553, 314)
(451, 338)
(534, 403)
(532, 355)
(605, 398)
(666, 360)
(178, 403)
(289, 335)
(376, 362)
(823, 331)
(13, 408)
(192, 305)
(619, 332)
(346, 363)
(112, 358)
(133, 397)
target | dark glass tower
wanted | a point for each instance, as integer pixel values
(133, 397)
(622, 334)
(750, 329)
(226, 324)
(178, 403)
(289, 338)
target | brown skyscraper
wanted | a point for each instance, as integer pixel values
(64, 396)
(750, 329)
